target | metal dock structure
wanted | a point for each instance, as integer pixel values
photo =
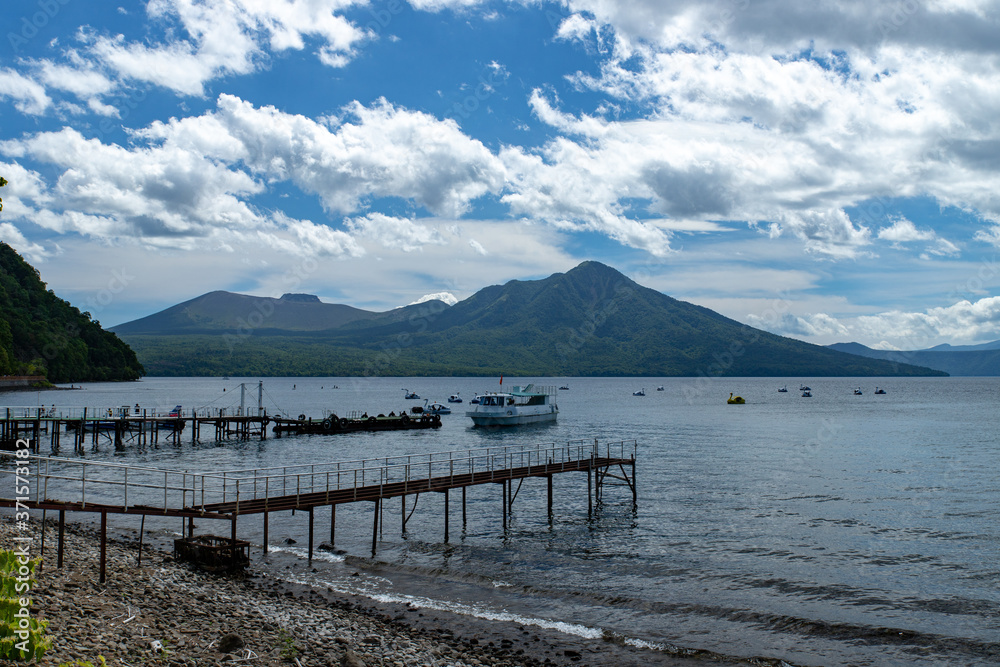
(79, 485)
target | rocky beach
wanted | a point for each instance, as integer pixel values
(166, 612)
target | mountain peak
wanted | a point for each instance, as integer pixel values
(301, 298)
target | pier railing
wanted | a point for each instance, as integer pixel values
(126, 485)
(122, 412)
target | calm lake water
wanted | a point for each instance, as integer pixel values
(832, 530)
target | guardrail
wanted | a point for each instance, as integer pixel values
(127, 485)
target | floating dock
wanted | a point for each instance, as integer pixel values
(334, 424)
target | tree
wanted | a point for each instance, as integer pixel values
(3, 182)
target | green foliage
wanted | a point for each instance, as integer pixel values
(288, 650)
(22, 637)
(41, 334)
(591, 321)
(85, 663)
(3, 182)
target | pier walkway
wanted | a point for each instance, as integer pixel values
(78, 485)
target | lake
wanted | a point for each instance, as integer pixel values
(839, 529)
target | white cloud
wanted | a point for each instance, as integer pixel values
(32, 252)
(378, 151)
(28, 95)
(390, 232)
(224, 38)
(904, 231)
(962, 321)
(788, 324)
(446, 297)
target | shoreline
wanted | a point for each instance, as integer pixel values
(279, 622)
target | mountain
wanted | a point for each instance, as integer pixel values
(221, 311)
(945, 347)
(953, 360)
(591, 320)
(41, 334)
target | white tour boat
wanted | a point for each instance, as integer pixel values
(522, 405)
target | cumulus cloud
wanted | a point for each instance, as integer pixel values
(446, 297)
(904, 231)
(28, 95)
(848, 103)
(962, 321)
(391, 232)
(787, 324)
(30, 250)
(194, 178)
(228, 38)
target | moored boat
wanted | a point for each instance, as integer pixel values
(522, 405)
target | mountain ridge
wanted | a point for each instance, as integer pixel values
(962, 360)
(591, 320)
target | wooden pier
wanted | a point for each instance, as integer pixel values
(74, 485)
(121, 430)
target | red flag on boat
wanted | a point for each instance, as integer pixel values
(501, 379)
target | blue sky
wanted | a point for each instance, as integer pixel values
(823, 170)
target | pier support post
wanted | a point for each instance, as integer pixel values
(590, 493)
(463, 507)
(446, 516)
(104, 545)
(142, 530)
(59, 548)
(503, 486)
(265, 531)
(402, 508)
(310, 533)
(333, 524)
(635, 499)
(548, 480)
(378, 509)
(232, 550)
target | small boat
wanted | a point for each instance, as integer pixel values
(807, 394)
(437, 409)
(641, 392)
(879, 391)
(857, 392)
(522, 405)
(475, 401)
(410, 395)
(805, 388)
(783, 390)
(735, 400)
(660, 388)
(564, 388)
(454, 398)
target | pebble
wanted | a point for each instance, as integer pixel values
(196, 615)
